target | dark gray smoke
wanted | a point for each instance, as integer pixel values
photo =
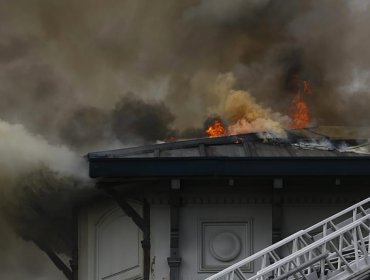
(85, 128)
(20, 259)
(66, 66)
(134, 119)
(59, 57)
(39, 209)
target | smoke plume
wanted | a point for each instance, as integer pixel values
(138, 121)
(243, 114)
(66, 68)
(40, 183)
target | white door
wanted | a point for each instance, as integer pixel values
(113, 244)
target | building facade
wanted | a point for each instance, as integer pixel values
(188, 209)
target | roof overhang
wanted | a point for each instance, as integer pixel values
(228, 167)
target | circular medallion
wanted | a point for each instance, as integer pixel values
(225, 246)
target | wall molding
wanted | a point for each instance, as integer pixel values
(214, 235)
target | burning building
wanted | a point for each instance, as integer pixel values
(188, 209)
(89, 75)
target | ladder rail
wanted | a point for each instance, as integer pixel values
(316, 245)
(339, 214)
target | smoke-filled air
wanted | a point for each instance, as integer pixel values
(87, 75)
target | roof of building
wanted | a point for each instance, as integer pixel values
(303, 152)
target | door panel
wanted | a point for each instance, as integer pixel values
(117, 247)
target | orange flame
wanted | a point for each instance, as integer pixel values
(300, 113)
(215, 129)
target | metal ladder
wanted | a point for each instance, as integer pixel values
(336, 248)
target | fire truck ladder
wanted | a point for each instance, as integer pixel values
(336, 248)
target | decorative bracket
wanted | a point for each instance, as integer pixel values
(55, 259)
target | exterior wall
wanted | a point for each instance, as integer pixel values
(221, 221)
(110, 248)
(253, 221)
(160, 242)
(300, 216)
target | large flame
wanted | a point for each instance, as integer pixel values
(215, 129)
(300, 113)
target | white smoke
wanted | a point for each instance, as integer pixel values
(21, 151)
(34, 172)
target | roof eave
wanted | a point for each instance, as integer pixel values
(228, 167)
